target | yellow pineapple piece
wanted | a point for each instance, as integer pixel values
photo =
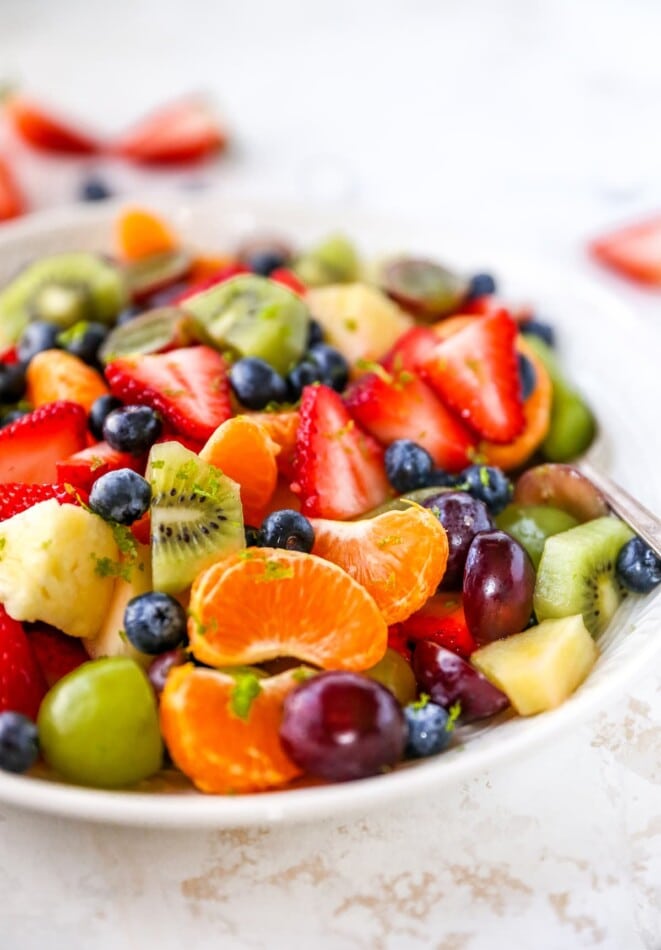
(58, 565)
(539, 668)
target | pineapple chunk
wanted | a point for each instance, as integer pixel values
(109, 641)
(539, 668)
(56, 563)
(357, 319)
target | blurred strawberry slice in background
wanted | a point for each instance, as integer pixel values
(36, 126)
(11, 199)
(634, 251)
(185, 131)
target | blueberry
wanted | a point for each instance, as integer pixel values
(481, 285)
(12, 382)
(544, 331)
(18, 742)
(439, 478)
(427, 729)
(83, 340)
(37, 337)
(408, 465)
(252, 535)
(99, 412)
(122, 496)
(13, 416)
(128, 314)
(132, 429)
(315, 333)
(304, 374)
(265, 261)
(94, 189)
(155, 623)
(527, 376)
(287, 529)
(638, 567)
(488, 484)
(255, 384)
(333, 366)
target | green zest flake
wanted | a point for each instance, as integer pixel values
(350, 324)
(106, 567)
(475, 456)
(389, 539)
(186, 471)
(484, 477)
(302, 674)
(421, 701)
(246, 555)
(124, 540)
(454, 713)
(96, 462)
(46, 544)
(122, 636)
(345, 430)
(3, 542)
(200, 629)
(275, 571)
(243, 695)
(370, 366)
(73, 335)
(174, 393)
(157, 463)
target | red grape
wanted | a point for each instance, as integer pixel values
(342, 726)
(449, 679)
(499, 581)
(161, 666)
(462, 517)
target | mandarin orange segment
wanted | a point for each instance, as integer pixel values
(263, 603)
(141, 233)
(399, 556)
(203, 267)
(283, 497)
(244, 451)
(219, 750)
(54, 375)
(282, 428)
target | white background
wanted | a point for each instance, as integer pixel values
(533, 124)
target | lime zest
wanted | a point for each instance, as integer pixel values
(274, 571)
(453, 714)
(389, 539)
(244, 693)
(421, 701)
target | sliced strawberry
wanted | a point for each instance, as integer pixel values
(188, 387)
(9, 356)
(22, 685)
(286, 277)
(398, 641)
(83, 468)
(43, 131)
(401, 406)
(339, 468)
(475, 372)
(634, 251)
(56, 653)
(31, 447)
(16, 497)
(141, 529)
(410, 351)
(170, 435)
(219, 277)
(183, 131)
(441, 620)
(11, 199)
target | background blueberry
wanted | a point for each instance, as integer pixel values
(427, 729)
(255, 383)
(287, 529)
(132, 429)
(18, 742)
(122, 496)
(638, 567)
(408, 465)
(155, 623)
(37, 336)
(488, 484)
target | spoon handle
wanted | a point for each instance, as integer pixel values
(641, 519)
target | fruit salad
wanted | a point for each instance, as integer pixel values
(273, 514)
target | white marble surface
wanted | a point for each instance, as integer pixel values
(537, 122)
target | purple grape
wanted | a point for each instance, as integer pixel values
(161, 666)
(499, 581)
(462, 517)
(448, 679)
(341, 726)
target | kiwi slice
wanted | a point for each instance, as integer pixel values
(148, 275)
(423, 287)
(155, 331)
(531, 525)
(576, 573)
(333, 261)
(196, 516)
(62, 289)
(254, 316)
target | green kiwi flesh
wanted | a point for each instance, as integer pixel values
(155, 331)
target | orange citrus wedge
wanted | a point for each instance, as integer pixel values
(263, 603)
(141, 233)
(54, 375)
(222, 731)
(398, 556)
(282, 428)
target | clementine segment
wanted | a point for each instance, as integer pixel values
(399, 556)
(263, 603)
(140, 233)
(244, 451)
(282, 428)
(224, 738)
(54, 375)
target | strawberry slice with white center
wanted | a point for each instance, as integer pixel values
(475, 372)
(395, 405)
(411, 350)
(188, 387)
(339, 468)
(22, 685)
(634, 251)
(183, 131)
(83, 468)
(31, 447)
(16, 497)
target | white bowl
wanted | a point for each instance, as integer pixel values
(607, 352)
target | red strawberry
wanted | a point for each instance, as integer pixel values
(286, 277)
(141, 529)
(31, 447)
(401, 406)
(83, 468)
(225, 273)
(188, 387)
(11, 199)
(412, 348)
(634, 251)
(441, 620)
(45, 132)
(22, 685)
(56, 653)
(16, 497)
(338, 467)
(475, 372)
(183, 131)
(398, 641)
(9, 355)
